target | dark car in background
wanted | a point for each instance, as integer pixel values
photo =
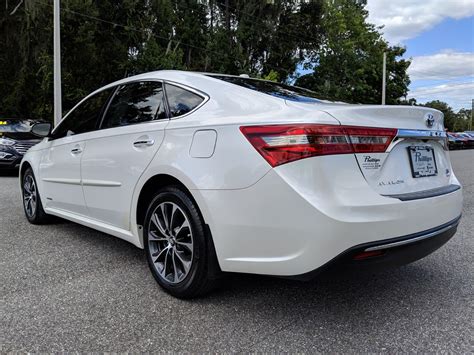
(468, 139)
(455, 142)
(15, 139)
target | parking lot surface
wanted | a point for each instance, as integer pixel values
(65, 287)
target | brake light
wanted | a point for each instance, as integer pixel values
(280, 144)
(370, 140)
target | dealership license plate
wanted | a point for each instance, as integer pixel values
(422, 161)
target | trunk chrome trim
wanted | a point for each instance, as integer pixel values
(451, 225)
(421, 134)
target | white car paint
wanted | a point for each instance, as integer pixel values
(286, 220)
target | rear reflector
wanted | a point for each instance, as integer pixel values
(368, 254)
(280, 144)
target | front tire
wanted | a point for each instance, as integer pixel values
(176, 244)
(32, 205)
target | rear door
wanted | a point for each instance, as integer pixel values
(416, 164)
(60, 166)
(131, 133)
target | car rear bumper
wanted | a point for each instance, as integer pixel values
(389, 253)
(284, 226)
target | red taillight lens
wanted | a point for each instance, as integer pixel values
(280, 144)
(370, 140)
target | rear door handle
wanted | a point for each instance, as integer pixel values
(144, 143)
(76, 150)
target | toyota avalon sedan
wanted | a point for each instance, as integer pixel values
(216, 173)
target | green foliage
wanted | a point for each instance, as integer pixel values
(103, 41)
(272, 76)
(349, 66)
(454, 122)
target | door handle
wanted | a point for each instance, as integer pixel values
(144, 143)
(77, 150)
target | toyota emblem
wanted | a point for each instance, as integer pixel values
(430, 120)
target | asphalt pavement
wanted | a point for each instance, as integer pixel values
(65, 287)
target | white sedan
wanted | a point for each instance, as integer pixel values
(215, 173)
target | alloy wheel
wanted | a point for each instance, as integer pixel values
(170, 242)
(29, 195)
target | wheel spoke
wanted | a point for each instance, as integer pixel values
(165, 217)
(158, 254)
(156, 221)
(186, 264)
(187, 245)
(165, 263)
(153, 237)
(175, 208)
(176, 277)
(179, 229)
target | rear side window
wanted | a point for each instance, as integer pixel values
(181, 101)
(136, 103)
(85, 117)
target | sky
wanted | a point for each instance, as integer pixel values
(439, 37)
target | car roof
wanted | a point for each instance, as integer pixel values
(180, 76)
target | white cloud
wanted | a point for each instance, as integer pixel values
(404, 19)
(457, 95)
(445, 65)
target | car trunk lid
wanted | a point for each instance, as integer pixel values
(416, 160)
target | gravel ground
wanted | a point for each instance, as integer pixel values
(65, 287)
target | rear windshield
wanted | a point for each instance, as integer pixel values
(282, 91)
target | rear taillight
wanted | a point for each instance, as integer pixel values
(280, 144)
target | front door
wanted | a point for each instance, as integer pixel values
(60, 166)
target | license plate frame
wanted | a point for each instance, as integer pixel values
(422, 161)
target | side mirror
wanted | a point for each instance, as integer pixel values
(42, 129)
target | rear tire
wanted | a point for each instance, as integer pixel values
(177, 245)
(32, 205)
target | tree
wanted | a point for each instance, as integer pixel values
(465, 116)
(455, 122)
(105, 40)
(349, 67)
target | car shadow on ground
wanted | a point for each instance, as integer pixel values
(353, 290)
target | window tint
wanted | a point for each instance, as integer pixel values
(135, 103)
(85, 117)
(181, 101)
(283, 91)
